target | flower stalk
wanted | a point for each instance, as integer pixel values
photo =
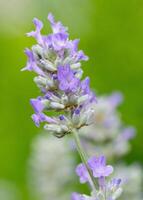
(84, 159)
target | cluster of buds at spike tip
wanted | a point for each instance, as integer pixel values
(56, 61)
(107, 189)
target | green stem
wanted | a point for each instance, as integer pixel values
(83, 158)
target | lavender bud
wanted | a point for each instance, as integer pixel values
(56, 105)
(76, 117)
(82, 99)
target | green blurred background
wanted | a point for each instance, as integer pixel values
(111, 33)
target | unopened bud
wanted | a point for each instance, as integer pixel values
(56, 105)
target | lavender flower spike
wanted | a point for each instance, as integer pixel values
(56, 61)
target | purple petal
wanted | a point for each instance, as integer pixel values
(41, 117)
(81, 56)
(92, 161)
(57, 27)
(81, 171)
(51, 18)
(102, 160)
(36, 119)
(73, 46)
(85, 85)
(98, 167)
(48, 119)
(38, 24)
(37, 105)
(108, 170)
(37, 33)
(67, 80)
(63, 86)
(59, 41)
(31, 63)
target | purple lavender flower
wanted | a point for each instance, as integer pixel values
(59, 42)
(37, 33)
(31, 64)
(73, 45)
(85, 87)
(98, 167)
(67, 80)
(81, 171)
(40, 117)
(37, 105)
(81, 56)
(57, 27)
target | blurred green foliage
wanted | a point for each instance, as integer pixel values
(111, 33)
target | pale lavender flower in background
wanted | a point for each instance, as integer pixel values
(115, 99)
(132, 178)
(128, 133)
(50, 169)
(107, 132)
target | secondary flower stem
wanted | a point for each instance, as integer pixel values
(83, 158)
